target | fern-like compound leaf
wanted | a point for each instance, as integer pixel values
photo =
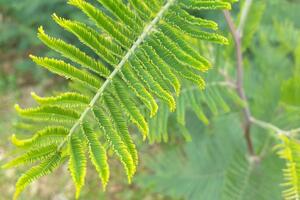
(140, 57)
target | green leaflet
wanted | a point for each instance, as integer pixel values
(100, 44)
(154, 71)
(140, 90)
(178, 14)
(66, 70)
(154, 5)
(48, 113)
(32, 156)
(170, 32)
(131, 108)
(73, 53)
(142, 9)
(97, 154)
(121, 126)
(159, 125)
(151, 84)
(47, 136)
(206, 5)
(171, 60)
(161, 67)
(202, 35)
(181, 55)
(70, 99)
(123, 13)
(105, 23)
(116, 142)
(42, 169)
(77, 163)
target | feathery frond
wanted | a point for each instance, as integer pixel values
(142, 58)
(289, 150)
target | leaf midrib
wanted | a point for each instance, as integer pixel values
(130, 52)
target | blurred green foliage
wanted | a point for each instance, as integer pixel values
(213, 165)
(19, 21)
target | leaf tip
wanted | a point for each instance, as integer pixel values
(17, 107)
(32, 57)
(41, 30)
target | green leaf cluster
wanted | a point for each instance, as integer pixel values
(142, 56)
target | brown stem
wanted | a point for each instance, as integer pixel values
(240, 79)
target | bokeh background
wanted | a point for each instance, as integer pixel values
(166, 170)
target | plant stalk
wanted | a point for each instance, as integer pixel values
(240, 80)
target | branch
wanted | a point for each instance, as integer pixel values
(274, 128)
(240, 79)
(226, 76)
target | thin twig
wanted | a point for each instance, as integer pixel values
(294, 131)
(268, 126)
(240, 79)
(226, 76)
(274, 128)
